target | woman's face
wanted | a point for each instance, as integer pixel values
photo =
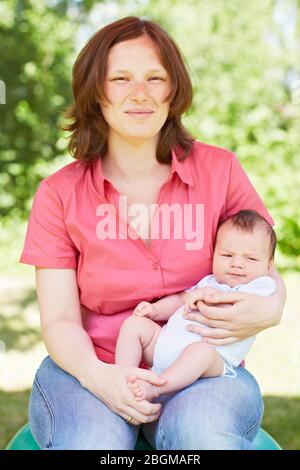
(135, 81)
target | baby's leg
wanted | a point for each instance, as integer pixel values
(137, 338)
(196, 360)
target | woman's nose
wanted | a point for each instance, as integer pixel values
(139, 90)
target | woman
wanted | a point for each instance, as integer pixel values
(95, 261)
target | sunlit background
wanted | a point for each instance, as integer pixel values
(244, 61)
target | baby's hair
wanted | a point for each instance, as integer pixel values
(247, 221)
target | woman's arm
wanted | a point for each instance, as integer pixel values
(71, 348)
(67, 343)
(279, 297)
(248, 315)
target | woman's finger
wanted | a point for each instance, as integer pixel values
(199, 318)
(138, 418)
(221, 342)
(143, 411)
(223, 297)
(148, 376)
(215, 313)
(213, 333)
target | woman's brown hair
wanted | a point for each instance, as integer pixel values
(88, 127)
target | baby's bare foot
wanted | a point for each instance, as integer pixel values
(141, 389)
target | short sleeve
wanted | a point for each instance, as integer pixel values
(241, 194)
(264, 285)
(47, 242)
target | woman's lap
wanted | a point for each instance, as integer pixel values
(65, 415)
(212, 413)
(217, 413)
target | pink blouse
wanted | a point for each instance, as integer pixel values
(67, 223)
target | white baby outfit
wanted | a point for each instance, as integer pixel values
(174, 336)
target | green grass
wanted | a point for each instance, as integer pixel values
(13, 414)
(274, 360)
(282, 420)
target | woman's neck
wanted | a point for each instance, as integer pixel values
(131, 159)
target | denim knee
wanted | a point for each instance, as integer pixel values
(212, 413)
(65, 415)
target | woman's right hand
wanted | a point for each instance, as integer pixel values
(108, 382)
(194, 296)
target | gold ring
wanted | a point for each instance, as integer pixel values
(129, 419)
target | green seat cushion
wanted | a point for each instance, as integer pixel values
(24, 440)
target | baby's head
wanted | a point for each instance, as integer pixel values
(244, 248)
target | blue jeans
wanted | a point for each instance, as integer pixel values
(212, 413)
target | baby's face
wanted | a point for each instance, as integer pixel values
(240, 257)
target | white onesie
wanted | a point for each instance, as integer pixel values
(174, 336)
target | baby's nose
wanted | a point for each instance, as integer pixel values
(237, 261)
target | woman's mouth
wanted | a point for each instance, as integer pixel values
(139, 114)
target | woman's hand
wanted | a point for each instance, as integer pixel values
(246, 315)
(108, 382)
(193, 296)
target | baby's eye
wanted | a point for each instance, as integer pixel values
(252, 259)
(227, 255)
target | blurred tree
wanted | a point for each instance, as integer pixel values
(37, 41)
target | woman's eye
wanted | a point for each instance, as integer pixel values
(121, 78)
(125, 78)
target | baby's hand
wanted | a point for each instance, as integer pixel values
(195, 295)
(144, 309)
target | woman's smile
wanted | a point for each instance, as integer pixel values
(139, 114)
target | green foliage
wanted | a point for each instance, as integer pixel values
(36, 46)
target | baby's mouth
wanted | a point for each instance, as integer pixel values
(237, 274)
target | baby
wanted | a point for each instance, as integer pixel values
(243, 254)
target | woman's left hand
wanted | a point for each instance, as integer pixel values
(246, 315)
